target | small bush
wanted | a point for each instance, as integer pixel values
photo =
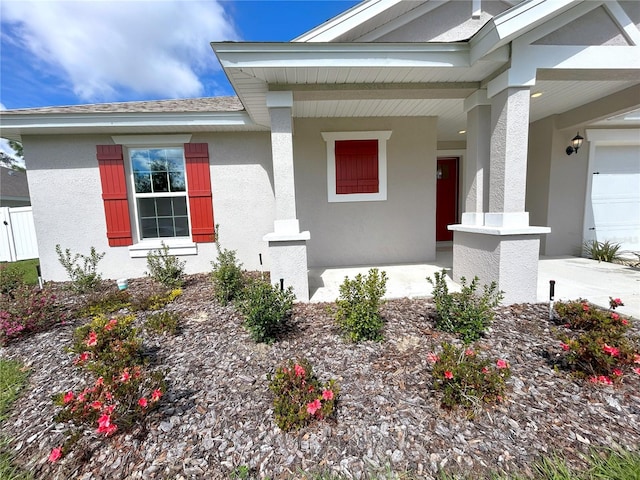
(28, 310)
(299, 396)
(227, 274)
(358, 313)
(596, 346)
(162, 322)
(266, 309)
(82, 270)
(102, 304)
(601, 251)
(10, 278)
(465, 313)
(165, 268)
(155, 301)
(466, 380)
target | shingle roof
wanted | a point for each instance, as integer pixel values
(207, 104)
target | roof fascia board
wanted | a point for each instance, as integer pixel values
(283, 55)
(402, 20)
(620, 17)
(346, 21)
(503, 28)
(72, 120)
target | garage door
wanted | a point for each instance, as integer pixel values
(613, 209)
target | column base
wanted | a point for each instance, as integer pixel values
(507, 256)
(288, 253)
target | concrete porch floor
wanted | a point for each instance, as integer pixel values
(575, 278)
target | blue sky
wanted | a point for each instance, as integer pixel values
(56, 52)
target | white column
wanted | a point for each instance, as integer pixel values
(476, 164)
(287, 245)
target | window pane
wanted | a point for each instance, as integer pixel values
(160, 182)
(182, 226)
(149, 228)
(163, 206)
(139, 160)
(177, 183)
(147, 207)
(180, 206)
(142, 182)
(165, 227)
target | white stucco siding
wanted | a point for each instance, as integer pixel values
(68, 209)
(400, 229)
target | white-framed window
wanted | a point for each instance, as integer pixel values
(356, 165)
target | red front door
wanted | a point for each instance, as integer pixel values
(446, 197)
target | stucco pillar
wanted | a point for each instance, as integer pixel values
(476, 165)
(501, 248)
(287, 245)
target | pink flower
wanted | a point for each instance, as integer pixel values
(108, 410)
(80, 397)
(111, 325)
(124, 378)
(97, 405)
(485, 370)
(615, 316)
(55, 454)
(108, 396)
(469, 353)
(624, 321)
(142, 402)
(564, 346)
(585, 307)
(448, 375)
(615, 302)
(99, 382)
(83, 357)
(432, 357)
(636, 358)
(327, 395)
(617, 372)
(92, 340)
(637, 370)
(299, 370)
(105, 426)
(613, 351)
(314, 406)
(502, 364)
(604, 379)
(155, 395)
(68, 397)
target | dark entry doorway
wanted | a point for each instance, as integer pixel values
(446, 197)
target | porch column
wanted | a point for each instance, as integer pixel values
(287, 245)
(476, 165)
(503, 248)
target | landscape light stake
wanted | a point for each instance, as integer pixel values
(261, 269)
(39, 276)
(552, 293)
(282, 284)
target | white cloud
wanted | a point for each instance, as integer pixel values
(148, 47)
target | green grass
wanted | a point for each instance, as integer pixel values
(13, 378)
(28, 268)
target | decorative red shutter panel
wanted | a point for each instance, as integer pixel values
(356, 166)
(114, 194)
(199, 185)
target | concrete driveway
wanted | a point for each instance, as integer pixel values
(575, 278)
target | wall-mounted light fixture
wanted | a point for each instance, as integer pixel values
(576, 143)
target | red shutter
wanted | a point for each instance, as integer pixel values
(356, 166)
(114, 195)
(199, 185)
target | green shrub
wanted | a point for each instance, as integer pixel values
(162, 322)
(165, 268)
(227, 274)
(266, 310)
(155, 301)
(466, 380)
(601, 251)
(102, 304)
(82, 270)
(358, 313)
(11, 277)
(299, 397)
(466, 313)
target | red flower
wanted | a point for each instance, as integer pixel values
(111, 325)
(97, 405)
(617, 372)
(99, 381)
(314, 406)
(155, 395)
(80, 397)
(636, 358)
(485, 370)
(68, 397)
(624, 321)
(55, 454)
(502, 364)
(615, 316)
(613, 351)
(448, 375)
(142, 402)
(432, 357)
(299, 370)
(564, 346)
(108, 396)
(105, 426)
(585, 307)
(124, 378)
(637, 370)
(604, 379)
(92, 340)
(327, 395)
(109, 410)
(469, 353)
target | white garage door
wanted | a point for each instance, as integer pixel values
(613, 209)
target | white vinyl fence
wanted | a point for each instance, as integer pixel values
(17, 234)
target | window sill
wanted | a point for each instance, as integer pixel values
(176, 247)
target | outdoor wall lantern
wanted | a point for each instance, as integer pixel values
(576, 143)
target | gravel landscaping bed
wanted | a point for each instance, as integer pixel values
(217, 413)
